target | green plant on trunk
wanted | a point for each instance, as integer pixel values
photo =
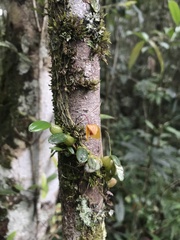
(93, 168)
(69, 145)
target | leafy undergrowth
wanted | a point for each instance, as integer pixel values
(141, 92)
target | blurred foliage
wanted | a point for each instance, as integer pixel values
(55, 226)
(141, 90)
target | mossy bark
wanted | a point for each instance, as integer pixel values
(23, 72)
(18, 69)
(76, 44)
(18, 80)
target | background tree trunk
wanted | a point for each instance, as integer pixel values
(75, 32)
(24, 96)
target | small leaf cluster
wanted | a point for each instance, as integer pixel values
(64, 142)
(45, 183)
(92, 162)
(112, 166)
(152, 43)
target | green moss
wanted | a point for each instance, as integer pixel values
(99, 37)
(65, 31)
(91, 85)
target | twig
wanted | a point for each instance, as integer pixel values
(36, 15)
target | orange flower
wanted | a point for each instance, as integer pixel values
(93, 130)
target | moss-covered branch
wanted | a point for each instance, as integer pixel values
(78, 39)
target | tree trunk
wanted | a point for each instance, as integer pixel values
(78, 40)
(24, 96)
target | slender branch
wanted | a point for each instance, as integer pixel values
(36, 15)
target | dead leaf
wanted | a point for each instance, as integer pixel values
(93, 130)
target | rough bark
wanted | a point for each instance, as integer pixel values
(75, 31)
(24, 96)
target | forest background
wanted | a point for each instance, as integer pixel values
(140, 90)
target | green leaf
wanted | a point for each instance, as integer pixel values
(24, 58)
(175, 11)
(44, 186)
(19, 187)
(8, 45)
(158, 54)
(149, 124)
(51, 177)
(39, 126)
(169, 32)
(93, 164)
(69, 140)
(43, 181)
(144, 36)
(57, 138)
(120, 172)
(71, 150)
(115, 160)
(155, 237)
(11, 236)
(33, 187)
(128, 4)
(7, 192)
(135, 53)
(82, 154)
(110, 172)
(58, 149)
(105, 116)
(174, 131)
